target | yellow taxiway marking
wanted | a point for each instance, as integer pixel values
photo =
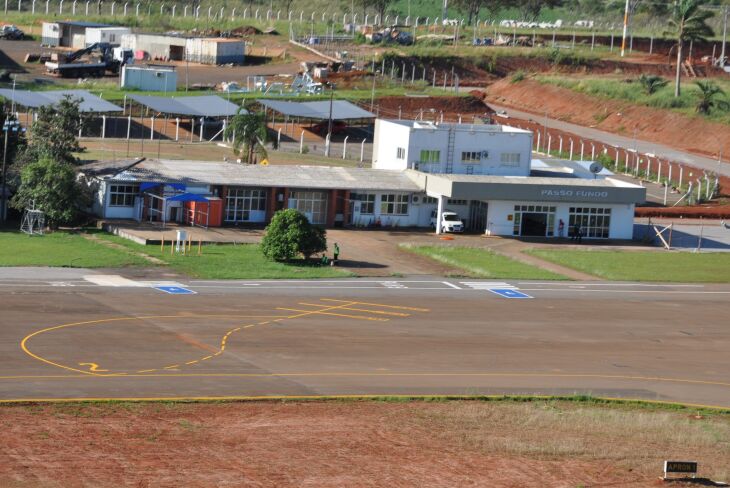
(317, 312)
(322, 309)
(93, 367)
(397, 307)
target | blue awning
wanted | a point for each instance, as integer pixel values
(187, 197)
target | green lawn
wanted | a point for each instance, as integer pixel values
(644, 266)
(483, 263)
(228, 261)
(61, 249)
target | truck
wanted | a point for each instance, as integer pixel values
(107, 58)
(450, 221)
(11, 32)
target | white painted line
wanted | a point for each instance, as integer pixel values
(657, 292)
(451, 285)
(112, 280)
(573, 283)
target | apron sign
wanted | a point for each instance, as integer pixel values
(680, 467)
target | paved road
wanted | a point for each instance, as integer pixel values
(81, 334)
(661, 150)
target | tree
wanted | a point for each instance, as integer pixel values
(652, 83)
(250, 133)
(473, 7)
(710, 97)
(380, 6)
(530, 9)
(51, 186)
(290, 234)
(688, 22)
(53, 134)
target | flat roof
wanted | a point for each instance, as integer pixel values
(341, 109)
(200, 106)
(235, 174)
(428, 125)
(79, 23)
(35, 99)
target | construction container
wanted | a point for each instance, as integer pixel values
(109, 35)
(149, 78)
(158, 47)
(215, 50)
(66, 34)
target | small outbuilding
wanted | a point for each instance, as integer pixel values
(108, 35)
(149, 78)
(66, 33)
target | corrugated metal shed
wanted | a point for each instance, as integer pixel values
(214, 173)
(35, 99)
(202, 106)
(341, 109)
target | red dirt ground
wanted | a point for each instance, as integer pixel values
(663, 126)
(451, 107)
(338, 444)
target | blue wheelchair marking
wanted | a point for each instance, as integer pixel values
(175, 290)
(509, 293)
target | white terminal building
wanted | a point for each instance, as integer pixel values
(484, 173)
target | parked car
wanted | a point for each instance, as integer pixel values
(450, 221)
(338, 127)
(12, 33)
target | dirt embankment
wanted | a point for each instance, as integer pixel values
(691, 134)
(433, 107)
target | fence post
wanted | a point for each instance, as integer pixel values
(571, 150)
(177, 128)
(582, 147)
(103, 126)
(278, 139)
(362, 151)
(344, 148)
(301, 143)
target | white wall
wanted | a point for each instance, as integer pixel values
(148, 79)
(111, 35)
(419, 215)
(390, 135)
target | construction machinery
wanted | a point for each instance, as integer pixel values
(105, 59)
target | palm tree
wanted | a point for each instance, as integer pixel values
(249, 133)
(708, 97)
(652, 83)
(688, 23)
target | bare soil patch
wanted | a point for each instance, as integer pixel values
(692, 134)
(352, 444)
(451, 107)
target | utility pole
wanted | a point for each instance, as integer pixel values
(626, 28)
(724, 37)
(445, 12)
(329, 124)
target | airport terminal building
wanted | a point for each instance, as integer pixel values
(484, 173)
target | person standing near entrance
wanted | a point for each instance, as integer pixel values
(561, 228)
(578, 233)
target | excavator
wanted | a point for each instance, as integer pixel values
(107, 58)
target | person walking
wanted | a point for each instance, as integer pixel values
(579, 234)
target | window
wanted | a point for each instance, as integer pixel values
(400, 153)
(313, 204)
(471, 157)
(241, 201)
(510, 159)
(392, 204)
(470, 169)
(593, 222)
(122, 195)
(367, 202)
(457, 202)
(543, 209)
(429, 156)
(431, 200)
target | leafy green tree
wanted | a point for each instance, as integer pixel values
(652, 83)
(51, 186)
(53, 134)
(250, 133)
(473, 8)
(688, 22)
(380, 6)
(710, 97)
(530, 9)
(290, 234)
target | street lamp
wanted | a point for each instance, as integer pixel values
(8, 126)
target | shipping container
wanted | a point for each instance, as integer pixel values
(215, 50)
(149, 78)
(158, 47)
(109, 35)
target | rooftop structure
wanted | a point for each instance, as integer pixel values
(35, 99)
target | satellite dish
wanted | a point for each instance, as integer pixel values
(595, 167)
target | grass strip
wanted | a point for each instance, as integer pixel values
(672, 267)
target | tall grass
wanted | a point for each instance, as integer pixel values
(632, 91)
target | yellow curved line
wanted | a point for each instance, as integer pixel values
(24, 342)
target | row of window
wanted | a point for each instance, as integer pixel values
(535, 208)
(240, 202)
(390, 204)
(467, 157)
(593, 222)
(122, 195)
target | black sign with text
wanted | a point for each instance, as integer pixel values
(688, 467)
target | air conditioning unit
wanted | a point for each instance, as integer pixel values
(485, 154)
(416, 199)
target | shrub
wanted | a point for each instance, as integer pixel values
(290, 234)
(518, 76)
